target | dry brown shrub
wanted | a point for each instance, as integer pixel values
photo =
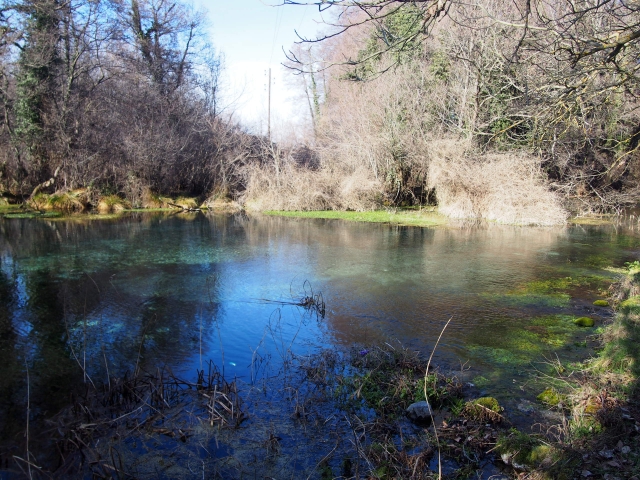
(506, 188)
(73, 201)
(299, 188)
(152, 200)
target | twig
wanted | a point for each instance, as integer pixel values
(426, 374)
(26, 433)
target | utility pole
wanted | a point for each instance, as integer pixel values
(269, 109)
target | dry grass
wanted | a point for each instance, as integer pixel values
(506, 188)
(187, 203)
(222, 205)
(297, 188)
(73, 201)
(112, 204)
(153, 200)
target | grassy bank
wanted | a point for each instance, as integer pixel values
(415, 218)
(598, 402)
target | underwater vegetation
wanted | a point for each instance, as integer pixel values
(535, 337)
(551, 292)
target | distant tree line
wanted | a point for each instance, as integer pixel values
(116, 95)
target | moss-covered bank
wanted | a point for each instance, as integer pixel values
(597, 402)
(410, 217)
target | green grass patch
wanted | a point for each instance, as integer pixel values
(630, 305)
(414, 218)
(33, 215)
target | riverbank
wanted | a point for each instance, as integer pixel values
(64, 205)
(597, 402)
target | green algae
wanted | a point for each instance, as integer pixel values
(518, 299)
(424, 218)
(501, 356)
(550, 396)
(551, 293)
(482, 382)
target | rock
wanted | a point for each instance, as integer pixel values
(601, 303)
(584, 322)
(419, 412)
(525, 406)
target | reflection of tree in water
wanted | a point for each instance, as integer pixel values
(73, 296)
(8, 358)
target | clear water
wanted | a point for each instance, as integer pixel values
(179, 290)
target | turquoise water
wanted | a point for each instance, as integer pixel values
(154, 289)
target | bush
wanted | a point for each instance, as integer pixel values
(506, 188)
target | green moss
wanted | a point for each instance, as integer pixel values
(488, 402)
(584, 322)
(601, 303)
(630, 305)
(529, 451)
(551, 397)
(424, 218)
(483, 409)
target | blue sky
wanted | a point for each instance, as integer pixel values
(251, 34)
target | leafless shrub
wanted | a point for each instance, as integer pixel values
(299, 188)
(506, 188)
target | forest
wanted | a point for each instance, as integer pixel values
(520, 112)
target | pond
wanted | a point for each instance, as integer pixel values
(82, 299)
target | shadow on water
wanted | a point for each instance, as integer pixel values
(172, 290)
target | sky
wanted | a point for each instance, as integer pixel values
(251, 34)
